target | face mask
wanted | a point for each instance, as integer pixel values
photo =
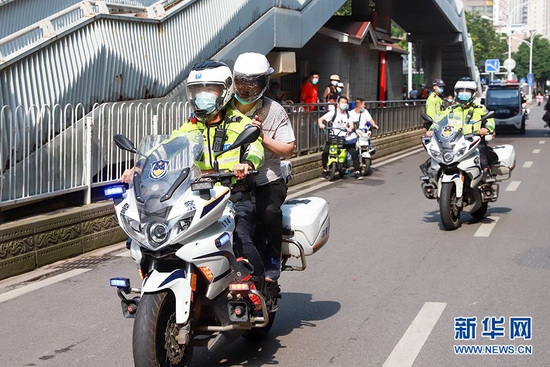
(449, 100)
(343, 106)
(314, 81)
(339, 89)
(464, 96)
(439, 90)
(242, 101)
(335, 83)
(362, 109)
(206, 101)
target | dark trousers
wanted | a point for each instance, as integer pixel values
(269, 199)
(350, 148)
(487, 155)
(245, 220)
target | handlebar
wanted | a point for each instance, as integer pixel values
(220, 176)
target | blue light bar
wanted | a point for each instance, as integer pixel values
(114, 191)
(122, 283)
(223, 239)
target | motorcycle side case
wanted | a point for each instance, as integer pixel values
(309, 220)
(506, 160)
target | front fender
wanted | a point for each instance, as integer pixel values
(178, 282)
(455, 178)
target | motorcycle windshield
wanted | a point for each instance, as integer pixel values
(164, 171)
(446, 133)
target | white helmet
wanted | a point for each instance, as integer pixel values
(465, 91)
(251, 74)
(209, 88)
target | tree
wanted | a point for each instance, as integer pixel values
(486, 42)
(541, 55)
(345, 9)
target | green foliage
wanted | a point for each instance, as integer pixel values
(541, 55)
(345, 9)
(397, 32)
(486, 42)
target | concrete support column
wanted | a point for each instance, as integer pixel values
(432, 64)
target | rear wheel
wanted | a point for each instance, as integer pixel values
(332, 174)
(261, 332)
(480, 213)
(449, 212)
(154, 337)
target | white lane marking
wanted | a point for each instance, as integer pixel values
(406, 351)
(542, 142)
(527, 164)
(40, 284)
(486, 228)
(536, 151)
(513, 186)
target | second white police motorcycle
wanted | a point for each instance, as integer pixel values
(195, 291)
(455, 176)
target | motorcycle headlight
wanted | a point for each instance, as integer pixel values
(435, 153)
(158, 232)
(448, 157)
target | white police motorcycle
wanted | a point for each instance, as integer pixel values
(455, 176)
(194, 291)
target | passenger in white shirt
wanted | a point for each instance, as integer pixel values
(361, 117)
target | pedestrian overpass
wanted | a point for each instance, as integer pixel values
(89, 53)
(438, 30)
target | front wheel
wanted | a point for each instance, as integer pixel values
(366, 166)
(154, 337)
(449, 212)
(332, 174)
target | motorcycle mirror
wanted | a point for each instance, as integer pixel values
(124, 143)
(488, 115)
(426, 118)
(250, 134)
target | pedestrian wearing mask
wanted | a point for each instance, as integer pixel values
(330, 94)
(435, 103)
(310, 90)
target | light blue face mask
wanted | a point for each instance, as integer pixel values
(241, 101)
(464, 96)
(206, 101)
(314, 81)
(440, 90)
(362, 109)
(343, 106)
(339, 90)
